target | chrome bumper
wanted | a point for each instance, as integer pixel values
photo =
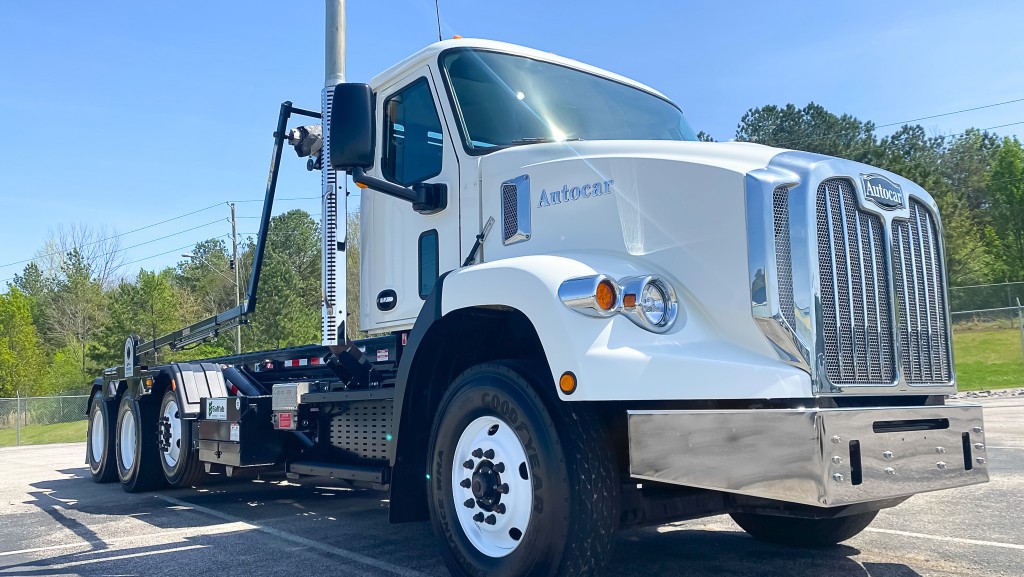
(822, 457)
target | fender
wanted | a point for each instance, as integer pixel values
(612, 358)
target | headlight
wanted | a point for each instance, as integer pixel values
(649, 302)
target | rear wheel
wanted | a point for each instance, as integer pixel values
(179, 460)
(803, 532)
(100, 446)
(519, 487)
(136, 449)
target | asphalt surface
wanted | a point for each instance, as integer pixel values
(55, 521)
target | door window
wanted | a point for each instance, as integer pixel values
(413, 135)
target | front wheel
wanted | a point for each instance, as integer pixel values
(803, 532)
(518, 486)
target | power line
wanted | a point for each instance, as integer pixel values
(951, 113)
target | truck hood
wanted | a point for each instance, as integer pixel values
(671, 208)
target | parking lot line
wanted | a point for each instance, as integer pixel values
(947, 539)
(338, 551)
(148, 537)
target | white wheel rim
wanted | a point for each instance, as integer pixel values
(173, 445)
(98, 436)
(495, 528)
(128, 435)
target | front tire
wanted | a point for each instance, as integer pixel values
(800, 532)
(179, 460)
(100, 446)
(135, 448)
(519, 487)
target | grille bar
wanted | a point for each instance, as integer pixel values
(854, 289)
(921, 294)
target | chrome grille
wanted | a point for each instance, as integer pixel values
(783, 259)
(920, 293)
(854, 292)
(509, 211)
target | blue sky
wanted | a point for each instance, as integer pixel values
(125, 113)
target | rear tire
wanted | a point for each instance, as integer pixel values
(803, 532)
(136, 449)
(179, 460)
(553, 466)
(99, 447)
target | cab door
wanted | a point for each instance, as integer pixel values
(403, 251)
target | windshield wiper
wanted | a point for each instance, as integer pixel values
(542, 139)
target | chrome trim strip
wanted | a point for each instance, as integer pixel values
(762, 259)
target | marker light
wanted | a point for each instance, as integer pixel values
(567, 383)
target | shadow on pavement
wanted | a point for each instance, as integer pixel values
(341, 515)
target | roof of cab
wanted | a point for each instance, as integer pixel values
(428, 55)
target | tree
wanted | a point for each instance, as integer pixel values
(77, 308)
(911, 153)
(811, 128)
(22, 367)
(1006, 187)
(965, 166)
(98, 247)
(149, 307)
(289, 297)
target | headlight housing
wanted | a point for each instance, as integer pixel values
(648, 301)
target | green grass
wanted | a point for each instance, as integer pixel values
(45, 434)
(989, 359)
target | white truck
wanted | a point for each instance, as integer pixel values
(582, 320)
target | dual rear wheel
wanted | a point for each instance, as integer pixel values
(145, 445)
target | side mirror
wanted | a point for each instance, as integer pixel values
(352, 127)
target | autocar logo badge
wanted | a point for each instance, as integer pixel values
(882, 191)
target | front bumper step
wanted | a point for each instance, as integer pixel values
(821, 457)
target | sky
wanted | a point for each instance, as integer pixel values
(123, 114)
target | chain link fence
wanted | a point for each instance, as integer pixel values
(36, 420)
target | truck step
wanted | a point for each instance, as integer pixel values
(379, 475)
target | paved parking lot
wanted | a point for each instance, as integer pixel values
(55, 521)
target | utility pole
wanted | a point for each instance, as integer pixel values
(234, 266)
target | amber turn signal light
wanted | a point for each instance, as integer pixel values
(605, 295)
(567, 383)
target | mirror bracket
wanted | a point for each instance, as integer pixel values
(426, 197)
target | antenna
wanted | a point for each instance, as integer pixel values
(437, 11)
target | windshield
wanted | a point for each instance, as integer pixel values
(504, 100)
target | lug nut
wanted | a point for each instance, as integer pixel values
(479, 517)
(890, 471)
(837, 439)
(500, 509)
(500, 467)
(940, 450)
(837, 477)
(941, 464)
(469, 464)
(976, 429)
(466, 483)
(979, 446)
(503, 489)
(491, 519)
(470, 503)
(980, 460)
(887, 454)
(478, 453)
(489, 454)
